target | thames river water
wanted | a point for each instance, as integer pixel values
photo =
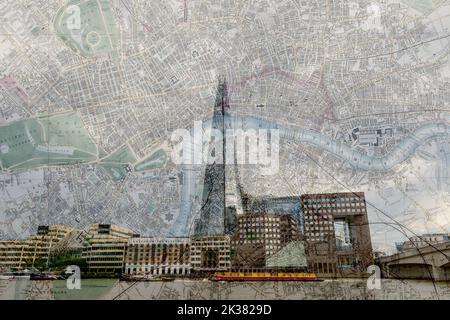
(24, 289)
(400, 153)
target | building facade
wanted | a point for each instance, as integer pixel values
(423, 241)
(291, 256)
(36, 250)
(14, 254)
(46, 240)
(276, 205)
(337, 232)
(210, 253)
(259, 235)
(105, 249)
(158, 256)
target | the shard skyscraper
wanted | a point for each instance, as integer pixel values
(216, 215)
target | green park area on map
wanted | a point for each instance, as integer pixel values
(96, 35)
(117, 162)
(46, 140)
(154, 161)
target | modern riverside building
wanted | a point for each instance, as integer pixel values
(337, 232)
(45, 241)
(14, 254)
(276, 205)
(158, 256)
(291, 256)
(422, 241)
(210, 253)
(259, 235)
(35, 250)
(105, 249)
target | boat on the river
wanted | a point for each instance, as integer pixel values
(43, 276)
(6, 276)
(24, 274)
(264, 276)
(137, 277)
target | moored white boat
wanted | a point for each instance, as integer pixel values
(24, 274)
(6, 276)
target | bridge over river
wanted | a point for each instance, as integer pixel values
(431, 262)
